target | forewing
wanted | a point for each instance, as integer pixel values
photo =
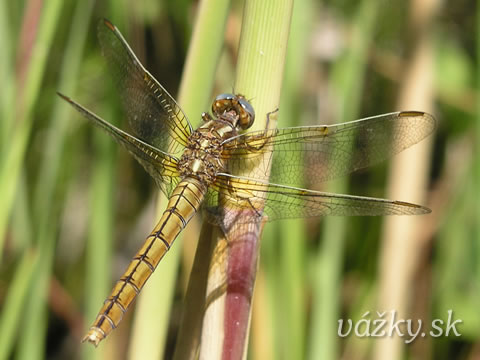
(153, 114)
(319, 153)
(161, 166)
(250, 200)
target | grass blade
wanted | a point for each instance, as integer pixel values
(13, 305)
(348, 80)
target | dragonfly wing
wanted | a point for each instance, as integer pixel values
(253, 199)
(161, 166)
(153, 114)
(322, 153)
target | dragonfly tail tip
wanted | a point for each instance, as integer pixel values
(92, 337)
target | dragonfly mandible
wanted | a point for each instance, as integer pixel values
(198, 168)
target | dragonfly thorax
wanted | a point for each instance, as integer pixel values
(202, 156)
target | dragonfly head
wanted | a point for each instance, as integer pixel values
(238, 106)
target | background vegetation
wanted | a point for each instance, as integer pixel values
(74, 208)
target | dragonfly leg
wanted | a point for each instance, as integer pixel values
(259, 214)
(265, 137)
(268, 117)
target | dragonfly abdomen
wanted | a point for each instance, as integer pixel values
(182, 205)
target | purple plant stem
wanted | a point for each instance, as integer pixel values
(243, 254)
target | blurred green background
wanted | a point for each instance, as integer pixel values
(74, 208)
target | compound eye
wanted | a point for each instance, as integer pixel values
(222, 102)
(246, 115)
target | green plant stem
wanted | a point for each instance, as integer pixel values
(261, 55)
(204, 51)
(194, 94)
(261, 60)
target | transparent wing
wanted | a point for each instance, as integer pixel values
(322, 153)
(153, 114)
(230, 195)
(161, 166)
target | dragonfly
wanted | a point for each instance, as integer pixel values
(226, 171)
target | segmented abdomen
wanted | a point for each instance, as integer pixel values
(182, 205)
